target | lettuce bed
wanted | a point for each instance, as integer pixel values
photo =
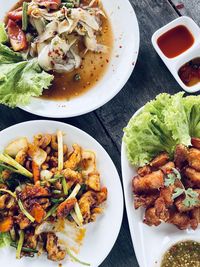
(162, 124)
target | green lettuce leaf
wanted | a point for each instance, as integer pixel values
(3, 34)
(161, 125)
(20, 80)
(5, 239)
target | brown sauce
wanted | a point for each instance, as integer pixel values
(91, 71)
(175, 41)
(189, 73)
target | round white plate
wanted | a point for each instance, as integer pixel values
(100, 235)
(124, 56)
(150, 243)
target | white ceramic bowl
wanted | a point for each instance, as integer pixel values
(150, 243)
(100, 235)
(174, 64)
(124, 56)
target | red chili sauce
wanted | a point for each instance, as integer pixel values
(189, 73)
(175, 41)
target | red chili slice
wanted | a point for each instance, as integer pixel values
(17, 36)
(16, 14)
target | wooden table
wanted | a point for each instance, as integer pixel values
(149, 78)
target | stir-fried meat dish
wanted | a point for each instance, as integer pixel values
(41, 183)
(170, 190)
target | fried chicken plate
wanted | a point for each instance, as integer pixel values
(42, 183)
(169, 190)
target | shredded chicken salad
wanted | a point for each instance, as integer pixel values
(43, 184)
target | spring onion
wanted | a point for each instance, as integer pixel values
(64, 185)
(60, 150)
(57, 200)
(9, 192)
(51, 211)
(78, 213)
(25, 212)
(25, 16)
(19, 168)
(75, 191)
(75, 258)
(20, 244)
(24, 249)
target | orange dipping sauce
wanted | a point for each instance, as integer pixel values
(175, 41)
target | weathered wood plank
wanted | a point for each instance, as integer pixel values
(150, 76)
(189, 8)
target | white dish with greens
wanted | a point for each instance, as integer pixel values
(68, 52)
(43, 221)
(160, 145)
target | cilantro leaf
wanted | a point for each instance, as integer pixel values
(191, 198)
(178, 192)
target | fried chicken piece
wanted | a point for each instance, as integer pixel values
(167, 168)
(195, 218)
(6, 224)
(145, 200)
(180, 156)
(149, 182)
(3, 200)
(22, 221)
(101, 196)
(31, 240)
(181, 220)
(74, 159)
(72, 177)
(161, 209)
(66, 207)
(193, 176)
(142, 171)
(55, 253)
(180, 205)
(160, 160)
(151, 218)
(93, 181)
(196, 142)
(166, 193)
(33, 191)
(194, 158)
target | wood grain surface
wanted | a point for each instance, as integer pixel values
(149, 78)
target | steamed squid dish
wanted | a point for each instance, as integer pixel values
(43, 186)
(42, 38)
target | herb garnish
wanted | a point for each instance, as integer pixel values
(191, 196)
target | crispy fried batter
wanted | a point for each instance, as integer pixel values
(6, 224)
(145, 200)
(32, 191)
(151, 218)
(22, 221)
(193, 176)
(180, 156)
(66, 207)
(37, 212)
(142, 171)
(149, 182)
(93, 181)
(160, 160)
(195, 215)
(86, 203)
(181, 220)
(194, 158)
(55, 253)
(74, 159)
(196, 142)
(161, 209)
(167, 168)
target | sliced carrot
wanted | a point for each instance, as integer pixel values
(36, 172)
(6, 225)
(38, 212)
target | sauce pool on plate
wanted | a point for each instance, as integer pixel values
(182, 254)
(175, 41)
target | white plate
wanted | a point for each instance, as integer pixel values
(150, 243)
(124, 56)
(100, 235)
